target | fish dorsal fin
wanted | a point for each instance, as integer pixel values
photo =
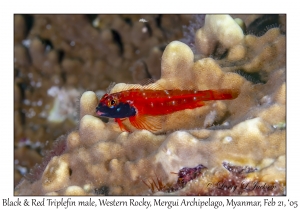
(146, 122)
(147, 81)
(154, 86)
(124, 87)
(151, 84)
(110, 87)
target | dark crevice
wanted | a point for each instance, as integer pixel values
(70, 172)
(223, 55)
(104, 119)
(261, 25)
(219, 124)
(118, 40)
(61, 55)
(219, 52)
(162, 47)
(91, 17)
(128, 21)
(63, 76)
(29, 20)
(17, 73)
(39, 150)
(146, 69)
(158, 21)
(22, 87)
(223, 119)
(104, 190)
(48, 44)
(255, 78)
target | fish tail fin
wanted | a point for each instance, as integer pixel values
(225, 94)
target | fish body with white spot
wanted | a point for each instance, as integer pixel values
(141, 105)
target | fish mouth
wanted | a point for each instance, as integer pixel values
(100, 113)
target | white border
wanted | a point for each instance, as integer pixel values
(157, 7)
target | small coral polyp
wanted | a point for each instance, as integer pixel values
(232, 141)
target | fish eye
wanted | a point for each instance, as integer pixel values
(111, 103)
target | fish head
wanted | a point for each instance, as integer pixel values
(110, 106)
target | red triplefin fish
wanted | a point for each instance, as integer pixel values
(142, 106)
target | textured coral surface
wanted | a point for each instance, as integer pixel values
(58, 57)
(239, 144)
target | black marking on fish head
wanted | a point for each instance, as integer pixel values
(110, 106)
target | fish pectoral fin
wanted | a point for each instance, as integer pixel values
(147, 122)
(122, 127)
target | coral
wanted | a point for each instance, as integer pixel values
(236, 52)
(189, 31)
(234, 142)
(184, 176)
(56, 174)
(147, 68)
(58, 147)
(64, 104)
(178, 57)
(74, 190)
(68, 54)
(218, 30)
(230, 184)
(259, 24)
